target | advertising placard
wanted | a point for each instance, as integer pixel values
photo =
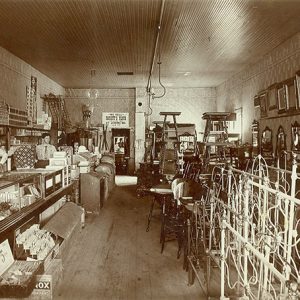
(115, 119)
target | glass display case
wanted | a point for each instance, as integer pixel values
(50, 179)
(18, 191)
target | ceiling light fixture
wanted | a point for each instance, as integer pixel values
(149, 88)
(92, 92)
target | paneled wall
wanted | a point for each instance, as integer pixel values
(109, 100)
(239, 91)
(16, 75)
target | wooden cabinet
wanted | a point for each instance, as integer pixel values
(92, 191)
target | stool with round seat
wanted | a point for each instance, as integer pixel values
(160, 193)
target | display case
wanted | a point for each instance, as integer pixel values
(34, 192)
(49, 181)
(18, 191)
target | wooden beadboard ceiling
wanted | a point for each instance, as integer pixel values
(202, 43)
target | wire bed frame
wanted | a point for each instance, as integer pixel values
(249, 228)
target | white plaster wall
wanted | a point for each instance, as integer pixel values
(239, 91)
(191, 102)
(16, 75)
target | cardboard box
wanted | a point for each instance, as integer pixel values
(48, 283)
(17, 277)
(65, 224)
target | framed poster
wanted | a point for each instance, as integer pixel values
(263, 104)
(272, 98)
(115, 119)
(281, 98)
(291, 93)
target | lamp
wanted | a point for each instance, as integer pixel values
(92, 92)
(87, 110)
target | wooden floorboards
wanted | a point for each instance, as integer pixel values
(114, 257)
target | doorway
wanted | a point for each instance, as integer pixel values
(121, 147)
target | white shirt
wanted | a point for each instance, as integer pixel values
(45, 151)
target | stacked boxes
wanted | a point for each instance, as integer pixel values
(17, 117)
(60, 162)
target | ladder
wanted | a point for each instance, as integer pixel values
(215, 136)
(169, 157)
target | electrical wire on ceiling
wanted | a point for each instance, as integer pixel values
(164, 88)
(150, 93)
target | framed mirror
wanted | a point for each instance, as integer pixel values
(280, 146)
(295, 137)
(266, 142)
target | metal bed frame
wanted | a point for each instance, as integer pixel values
(248, 228)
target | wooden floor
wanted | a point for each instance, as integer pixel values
(115, 258)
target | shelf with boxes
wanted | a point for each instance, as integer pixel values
(14, 136)
(38, 252)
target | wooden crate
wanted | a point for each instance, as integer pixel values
(18, 277)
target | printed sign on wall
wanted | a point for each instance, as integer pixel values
(116, 120)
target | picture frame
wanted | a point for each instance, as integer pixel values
(263, 104)
(272, 97)
(281, 98)
(256, 101)
(291, 94)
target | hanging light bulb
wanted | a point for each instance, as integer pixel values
(92, 92)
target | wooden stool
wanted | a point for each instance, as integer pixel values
(160, 194)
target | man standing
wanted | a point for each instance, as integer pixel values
(44, 151)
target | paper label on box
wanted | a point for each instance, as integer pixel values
(58, 178)
(6, 257)
(43, 287)
(49, 183)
